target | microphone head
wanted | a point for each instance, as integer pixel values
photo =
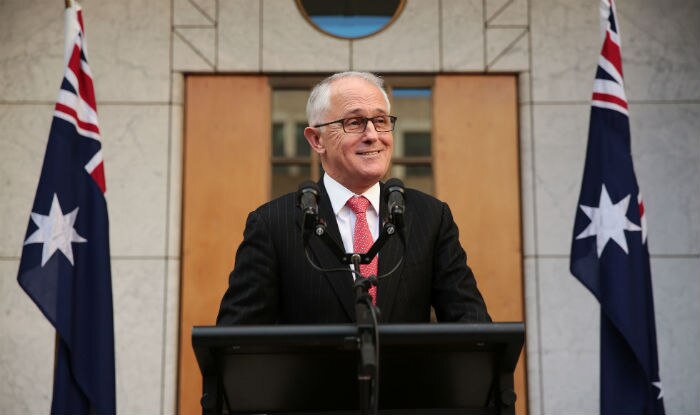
(307, 197)
(395, 201)
(307, 187)
(394, 185)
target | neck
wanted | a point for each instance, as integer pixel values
(356, 188)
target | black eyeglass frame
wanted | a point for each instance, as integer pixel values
(365, 120)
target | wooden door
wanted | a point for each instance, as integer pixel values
(226, 176)
(476, 165)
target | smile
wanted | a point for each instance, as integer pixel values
(368, 153)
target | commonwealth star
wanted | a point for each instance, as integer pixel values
(55, 231)
(608, 221)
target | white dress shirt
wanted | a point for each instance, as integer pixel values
(345, 217)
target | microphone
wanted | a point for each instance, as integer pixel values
(308, 201)
(395, 202)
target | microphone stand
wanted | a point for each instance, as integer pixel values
(366, 313)
(368, 369)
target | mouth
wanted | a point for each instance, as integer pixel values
(368, 153)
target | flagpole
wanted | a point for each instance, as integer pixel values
(69, 4)
(57, 338)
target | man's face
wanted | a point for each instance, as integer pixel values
(355, 160)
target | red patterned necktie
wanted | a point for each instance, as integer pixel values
(362, 239)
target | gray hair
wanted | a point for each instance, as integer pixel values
(320, 98)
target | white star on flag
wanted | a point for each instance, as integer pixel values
(608, 221)
(55, 231)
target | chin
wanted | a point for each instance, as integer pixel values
(371, 179)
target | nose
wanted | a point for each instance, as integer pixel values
(370, 132)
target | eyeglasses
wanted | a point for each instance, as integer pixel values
(381, 123)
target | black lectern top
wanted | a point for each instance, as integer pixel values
(424, 368)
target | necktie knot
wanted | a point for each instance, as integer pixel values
(358, 204)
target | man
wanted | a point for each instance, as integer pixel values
(350, 127)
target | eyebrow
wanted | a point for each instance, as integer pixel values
(356, 112)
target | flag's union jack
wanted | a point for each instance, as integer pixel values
(76, 99)
(609, 87)
(65, 264)
(609, 252)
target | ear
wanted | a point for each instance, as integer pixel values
(314, 138)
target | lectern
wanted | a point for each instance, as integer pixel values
(423, 368)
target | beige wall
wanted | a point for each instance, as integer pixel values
(138, 52)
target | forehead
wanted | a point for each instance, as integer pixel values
(352, 94)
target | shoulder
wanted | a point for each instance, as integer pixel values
(285, 200)
(421, 201)
(284, 205)
(425, 211)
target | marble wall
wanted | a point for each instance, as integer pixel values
(130, 48)
(660, 57)
(139, 51)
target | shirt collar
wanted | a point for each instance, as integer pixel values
(340, 194)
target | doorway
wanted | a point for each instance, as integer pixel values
(241, 147)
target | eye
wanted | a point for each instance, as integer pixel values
(380, 121)
(353, 122)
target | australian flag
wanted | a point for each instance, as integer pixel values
(65, 265)
(609, 253)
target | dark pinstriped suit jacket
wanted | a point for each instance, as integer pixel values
(272, 281)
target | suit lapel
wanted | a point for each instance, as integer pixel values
(390, 254)
(341, 282)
